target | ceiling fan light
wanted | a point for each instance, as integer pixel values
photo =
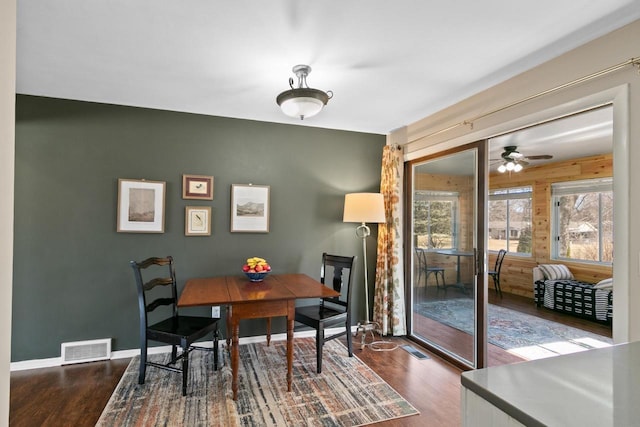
(502, 168)
(517, 167)
(510, 166)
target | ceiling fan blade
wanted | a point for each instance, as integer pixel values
(539, 157)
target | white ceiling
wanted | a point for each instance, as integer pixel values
(581, 135)
(389, 63)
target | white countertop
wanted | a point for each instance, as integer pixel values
(598, 387)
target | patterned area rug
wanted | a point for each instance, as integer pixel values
(522, 334)
(347, 393)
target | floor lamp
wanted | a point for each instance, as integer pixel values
(364, 208)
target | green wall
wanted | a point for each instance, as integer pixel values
(72, 280)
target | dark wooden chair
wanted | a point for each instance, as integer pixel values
(423, 267)
(495, 273)
(175, 330)
(331, 311)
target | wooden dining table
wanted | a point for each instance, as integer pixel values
(275, 296)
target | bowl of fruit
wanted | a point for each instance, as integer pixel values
(256, 269)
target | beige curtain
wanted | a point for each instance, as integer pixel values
(388, 303)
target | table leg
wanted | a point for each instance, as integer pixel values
(235, 327)
(290, 321)
(268, 331)
(458, 283)
(229, 310)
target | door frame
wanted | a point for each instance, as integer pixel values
(480, 262)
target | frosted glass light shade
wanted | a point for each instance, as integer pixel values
(301, 107)
(364, 207)
(302, 102)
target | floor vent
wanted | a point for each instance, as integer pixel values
(415, 352)
(85, 351)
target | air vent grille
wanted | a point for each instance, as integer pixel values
(86, 351)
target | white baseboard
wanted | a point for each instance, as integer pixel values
(35, 363)
(123, 354)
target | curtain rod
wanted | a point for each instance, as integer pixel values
(633, 61)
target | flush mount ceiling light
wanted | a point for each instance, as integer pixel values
(302, 101)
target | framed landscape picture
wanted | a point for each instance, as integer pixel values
(197, 187)
(197, 221)
(250, 208)
(140, 206)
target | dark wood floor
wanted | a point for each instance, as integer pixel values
(75, 395)
(72, 395)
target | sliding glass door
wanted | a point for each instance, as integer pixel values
(445, 204)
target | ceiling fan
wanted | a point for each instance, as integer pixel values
(513, 160)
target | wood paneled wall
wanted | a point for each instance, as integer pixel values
(516, 275)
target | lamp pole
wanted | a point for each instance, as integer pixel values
(363, 208)
(363, 231)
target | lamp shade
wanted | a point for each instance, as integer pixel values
(363, 207)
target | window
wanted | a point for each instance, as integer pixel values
(434, 219)
(583, 220)
(510, 220)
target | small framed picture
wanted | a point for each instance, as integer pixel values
(197, 221)
(140, 206)
(250, 208)
(197, 187)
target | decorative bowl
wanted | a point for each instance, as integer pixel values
(256, 277)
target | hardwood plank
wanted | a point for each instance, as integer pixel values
(67, 395)
(432, 386)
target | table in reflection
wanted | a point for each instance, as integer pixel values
(458, 254)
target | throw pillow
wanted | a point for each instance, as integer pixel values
(604, 284)
(556, 272)
(537, 274)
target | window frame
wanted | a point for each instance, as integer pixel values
(440, 196)
(508, 194)
(578, 187)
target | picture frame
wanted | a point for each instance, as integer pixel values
(197, 221)
(250, 208)
(140, 206)
(198, 187)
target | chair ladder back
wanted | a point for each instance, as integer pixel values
(421, 257)
(338, 282)
(499, 259)
(144, 287)
(179, 332)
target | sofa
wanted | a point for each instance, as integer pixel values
(555, 287)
